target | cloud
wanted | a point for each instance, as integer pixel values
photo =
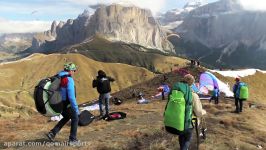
(154, 5)
(254, 5)
(8, 26)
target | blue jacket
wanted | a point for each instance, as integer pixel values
(166, 88)
(69, 91)
(216, 93)
(236, 89)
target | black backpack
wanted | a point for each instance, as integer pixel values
(47, 97)
(85, 118)
(103, 85)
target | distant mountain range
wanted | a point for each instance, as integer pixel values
(221, 34)
(16, 42)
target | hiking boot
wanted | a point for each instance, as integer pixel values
(74, 143)
(51, 136)
(236, 111)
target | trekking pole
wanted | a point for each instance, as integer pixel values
(204, 127)
(197, 132)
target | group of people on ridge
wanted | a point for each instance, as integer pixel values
(194, 63)
(70, 106)
(183, 105)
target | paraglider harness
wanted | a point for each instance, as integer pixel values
(200, 129)
(47, 96)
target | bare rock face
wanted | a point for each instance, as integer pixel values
(115, 23)
(128, 24)
(50, 35)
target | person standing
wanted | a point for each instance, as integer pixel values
(102, 82)
(182, 104)
(70, 107)
(239, 97)
(215, 95)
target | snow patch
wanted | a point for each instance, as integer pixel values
(238, 73)
(225, 88)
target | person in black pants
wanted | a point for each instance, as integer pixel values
(238, 100)
(70, 107)
(102, 83)
(215, 95)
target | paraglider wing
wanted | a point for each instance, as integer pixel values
(207, 82)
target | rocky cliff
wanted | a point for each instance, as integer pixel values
(115, 23)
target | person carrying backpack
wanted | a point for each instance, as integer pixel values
(182, 104)
(215, 95)
(70, 107)
(240, 90)
(102, 82)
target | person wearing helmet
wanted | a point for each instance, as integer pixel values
(102, 82)
(236, 90)
(70, 107)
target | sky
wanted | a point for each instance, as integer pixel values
(19, 16)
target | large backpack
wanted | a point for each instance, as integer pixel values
(243, 92)
(85, 118)
(47, 97)
(103, 85)
(178, 111)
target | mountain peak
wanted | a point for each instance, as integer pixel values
(115, 22)
(86, 13)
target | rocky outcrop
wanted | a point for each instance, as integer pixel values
(50, 35)
(129, 24)
(114, 23)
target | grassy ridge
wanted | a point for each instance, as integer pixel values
(18, 79)
(103, 50)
